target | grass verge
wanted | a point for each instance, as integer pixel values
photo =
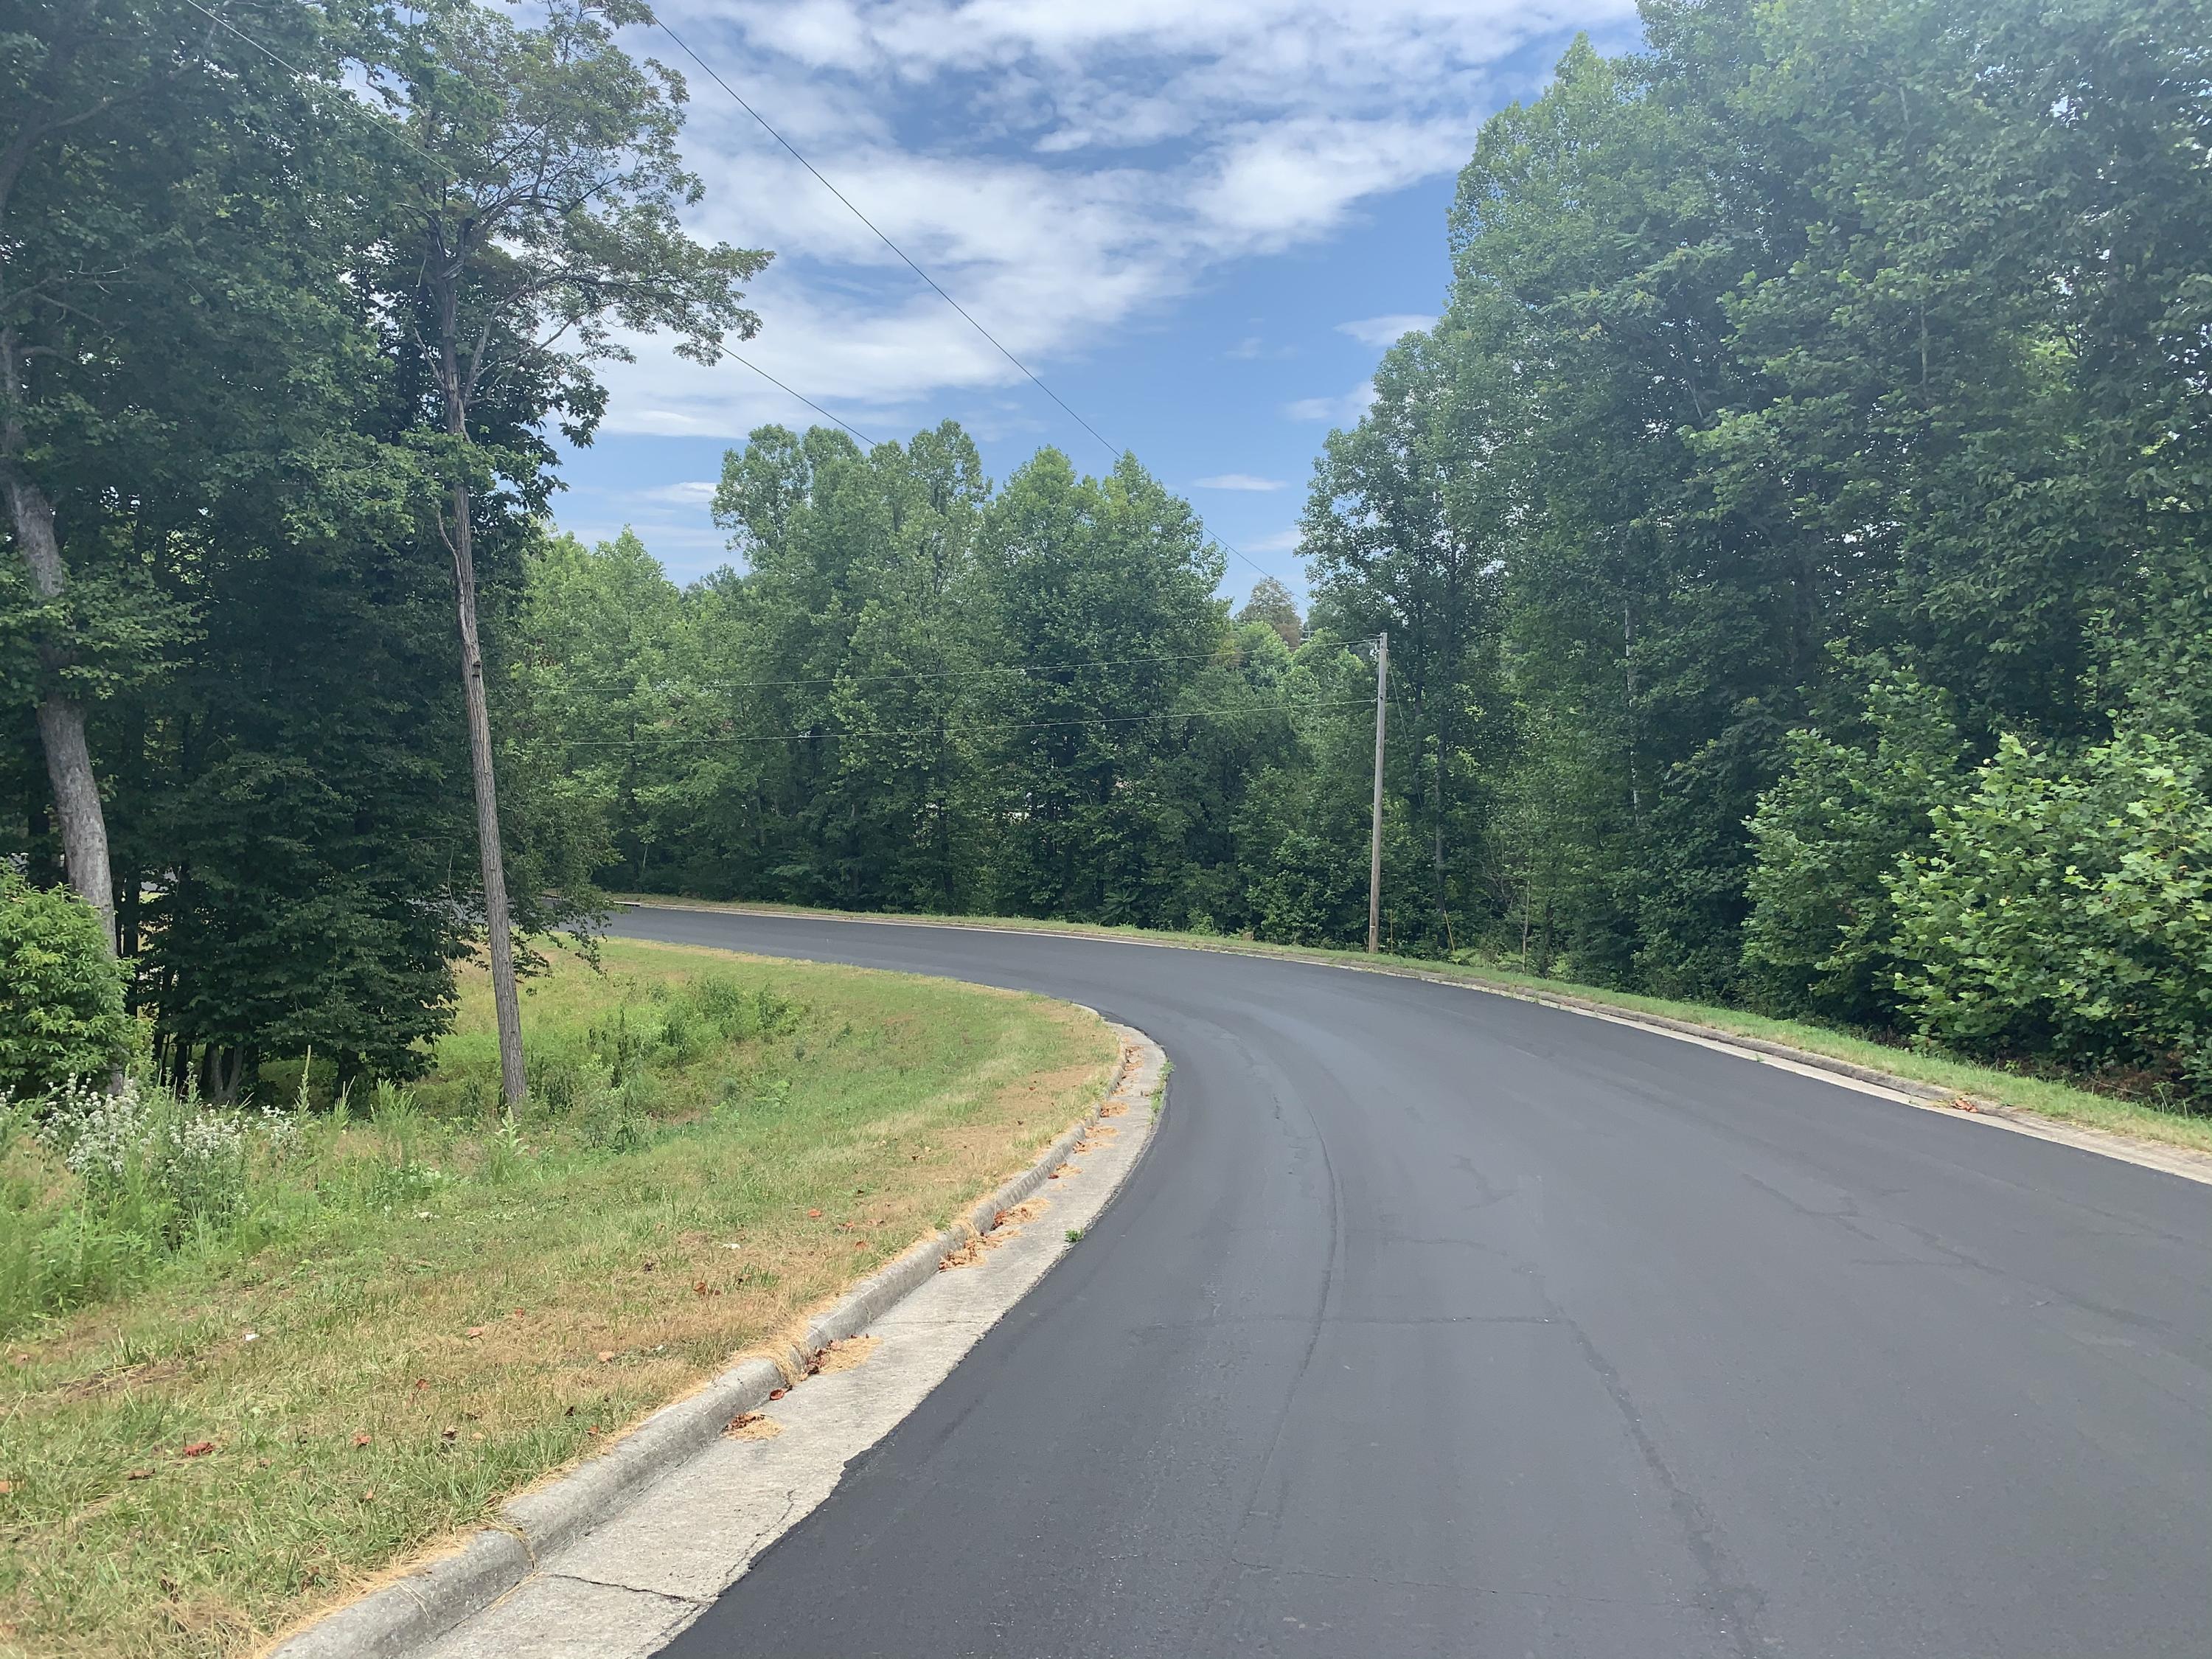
(414, 1314)
(2045, 1097)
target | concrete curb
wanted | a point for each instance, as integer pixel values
(408, 1613)
(2185, 1162)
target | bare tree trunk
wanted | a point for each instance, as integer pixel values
(61, 717)
(498, 923)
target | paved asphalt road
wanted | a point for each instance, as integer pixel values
(1435, 1323)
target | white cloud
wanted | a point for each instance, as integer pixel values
(1066, 171)
(693, 494)
(1344, 411)
(1385, 331)
(1282, 541)
(1237, 480)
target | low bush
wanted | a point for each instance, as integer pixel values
(2066, 907)
(61, 992)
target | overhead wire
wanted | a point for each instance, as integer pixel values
(908, 260)
(439, 162)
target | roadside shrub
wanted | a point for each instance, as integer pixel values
(620, 1119)
(61, 993)
(560, 1077)
(736, 1013)
(620, 1043)
(1826, 838)
(684, 1036)
(2067, 908)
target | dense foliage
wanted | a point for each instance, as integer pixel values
(61, 994)
(245, 496)
(1791, 540)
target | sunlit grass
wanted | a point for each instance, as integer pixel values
(427, 1312)
(2026, 1091)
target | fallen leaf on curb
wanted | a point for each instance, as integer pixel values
(777, 1393)
(199, 1448)
(1065, 1170)
(752, 1425)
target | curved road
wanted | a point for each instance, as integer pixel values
(1435, 1323)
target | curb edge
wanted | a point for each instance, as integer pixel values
(412, 1611)
(2184, 1162)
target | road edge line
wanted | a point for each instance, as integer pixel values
(431, 1599)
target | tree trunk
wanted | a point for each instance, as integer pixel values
(498, 924)
(61, 717)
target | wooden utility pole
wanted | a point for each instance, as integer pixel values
(1375, 836)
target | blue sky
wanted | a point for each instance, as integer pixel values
(1200, 222)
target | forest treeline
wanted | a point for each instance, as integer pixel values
(1792, 540)
(1791, 537)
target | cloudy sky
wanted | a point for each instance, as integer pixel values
(1200, 222)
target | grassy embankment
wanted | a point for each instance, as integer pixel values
(2044, 1096)
(410, 1314)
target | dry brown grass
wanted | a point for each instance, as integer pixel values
(409, 1371)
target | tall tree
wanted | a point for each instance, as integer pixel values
(543, 216)
(1404, 530)
(1102, 589)
(148, 163)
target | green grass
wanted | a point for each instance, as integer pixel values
(2045, 1097)
(417, 1314)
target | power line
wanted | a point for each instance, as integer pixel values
(435, 160)
(802, 398)
(708, 69)
(677, 739)
(441, 163)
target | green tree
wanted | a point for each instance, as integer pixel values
(2066, 907)
(1101, 590)
(147, 164)
(61, 992)
(1271, 603)
(1403, 532)
(1822, 935)
(542, 216)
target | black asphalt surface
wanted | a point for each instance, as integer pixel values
(1441, 1324)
